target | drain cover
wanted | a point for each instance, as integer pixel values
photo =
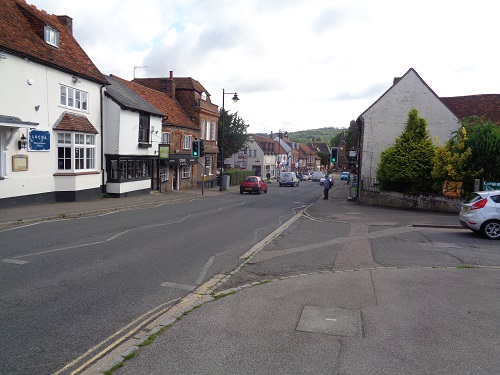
(330, 321)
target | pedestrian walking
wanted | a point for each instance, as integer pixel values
(326, 187)
(268, 176)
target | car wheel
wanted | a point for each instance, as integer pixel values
(265, 191)
(281, 184)
(241, 191)
(491, 229)
(258, 191)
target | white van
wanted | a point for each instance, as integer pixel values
(289, 178)
(316, 176)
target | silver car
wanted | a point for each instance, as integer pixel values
(482, 214)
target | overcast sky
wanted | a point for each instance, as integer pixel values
(295, 64)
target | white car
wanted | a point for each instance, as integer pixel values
(482, 214)
(289, 179)
(306, 176)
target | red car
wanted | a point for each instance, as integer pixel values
(253, 184)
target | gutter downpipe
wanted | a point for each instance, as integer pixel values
(103, 189)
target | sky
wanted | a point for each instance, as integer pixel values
(295, 64)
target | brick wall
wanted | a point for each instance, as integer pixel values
(420, 203)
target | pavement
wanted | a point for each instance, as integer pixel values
(367, 320)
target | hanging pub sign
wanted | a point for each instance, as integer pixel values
(39, 140)
(164, 151)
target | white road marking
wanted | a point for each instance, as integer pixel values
(205, 270)
(14, 261)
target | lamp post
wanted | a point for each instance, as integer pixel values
(235, 99)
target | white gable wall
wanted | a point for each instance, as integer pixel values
(27, 84)
(385, 120)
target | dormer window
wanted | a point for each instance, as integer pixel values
(51, 36)
(203, 96)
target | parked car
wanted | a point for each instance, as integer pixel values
(316, 176)
(289, 179)
(306, 176)
(345, 176)
(482, 214)
(253, 184)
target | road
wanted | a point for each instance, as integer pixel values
(72, 288)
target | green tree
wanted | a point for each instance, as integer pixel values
(352, 136)
(406, 167)
(325, 158)
(235, 133)
(483, 138)
(451, 162)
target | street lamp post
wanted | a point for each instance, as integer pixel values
(235, 99)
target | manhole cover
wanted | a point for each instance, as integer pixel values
(330, 321)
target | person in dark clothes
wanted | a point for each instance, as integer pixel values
(326, 187)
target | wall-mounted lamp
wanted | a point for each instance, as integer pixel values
(76, 79)
(22, 142)
(37, 107)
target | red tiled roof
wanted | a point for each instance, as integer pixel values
(72, 122)
(268, 145)
(181, 83)
(163, 102)
(21, 33)
(486, 106)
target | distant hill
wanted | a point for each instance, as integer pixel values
(311, 135)
(314, 135)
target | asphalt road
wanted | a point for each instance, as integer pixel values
(74, 287)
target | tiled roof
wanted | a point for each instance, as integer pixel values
(305, 151)
(268, 145)
(73, 122)
(128, 98)
(22, 34)
(486, 106)
(319, 147)
(181, 83)
(161, 102)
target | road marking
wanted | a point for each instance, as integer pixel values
(14, 261)
(271, 236)
(187, 287)
(141, 321)
(73, 247)
(205, 270)
(334, 320)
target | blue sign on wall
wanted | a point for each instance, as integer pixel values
(39, 140)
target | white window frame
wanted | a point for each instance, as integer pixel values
(186, 142)
(186, 171)
(79, 150)
(69, 97)
(165, 137)
(203, 129)
(213, 131)
(51, 36)
(164, 173)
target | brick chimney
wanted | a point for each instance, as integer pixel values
(67, 22)
(170, 86)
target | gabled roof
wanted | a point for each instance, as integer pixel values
(319, 147)
(486, 106)
(73, 122)
(395, 82)
(305, 151)
(127, 98)
(22, 34)
(268, 145)
(160, 101)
